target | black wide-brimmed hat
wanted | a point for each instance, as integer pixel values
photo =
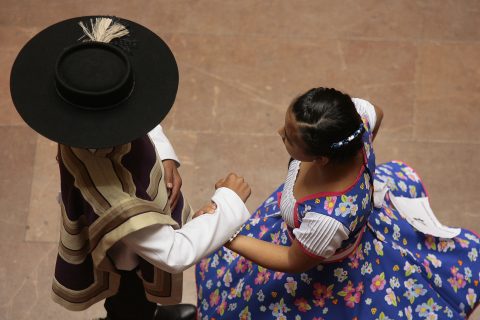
(94, 82)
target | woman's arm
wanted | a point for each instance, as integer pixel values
(373, 113)
(379, 114)
(271, 256)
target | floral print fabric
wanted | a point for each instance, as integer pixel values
(395, 272)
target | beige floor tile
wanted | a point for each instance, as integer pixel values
(397, 102)
(44, 212)
(16, 177)
(8, 114)
(17, 155)
(26, 285)
(451, 20)
(379, 62)
(162, 17)
(246, 155)
(475, 315)
(454, 119)
(220, 85)
(398, 20)
(449, 70)
(216, 86)
(189, 286)
(19, 275)
(20, 38)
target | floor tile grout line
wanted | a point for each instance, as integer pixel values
(260, 134)
(240, 86)
(274, 134)
(317, 38)
(31, 187)
(416, 76)
(14, 125)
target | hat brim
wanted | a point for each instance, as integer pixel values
(33, 90)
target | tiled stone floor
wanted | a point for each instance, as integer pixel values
(241, 62)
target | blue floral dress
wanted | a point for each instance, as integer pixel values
(386, 269)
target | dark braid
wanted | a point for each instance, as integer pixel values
(326, 116)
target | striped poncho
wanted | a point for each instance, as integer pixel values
(107, 194)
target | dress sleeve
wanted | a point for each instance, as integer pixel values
(366, 110)
(176, 250)
(320, 235)
(163, 145)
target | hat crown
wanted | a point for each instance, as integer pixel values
(93, 75)
(92, 94)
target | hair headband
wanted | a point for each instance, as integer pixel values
(349, 139)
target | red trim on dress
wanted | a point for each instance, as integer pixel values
(337, 193)
(296, 221)
(327, 194)
(290, 235)
(474, 232)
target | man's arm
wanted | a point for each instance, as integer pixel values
(176, 250)
(170, 164)
(162, 144)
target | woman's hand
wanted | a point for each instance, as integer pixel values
(208, 208)
(173, 181)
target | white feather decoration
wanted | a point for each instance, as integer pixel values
(104, 30)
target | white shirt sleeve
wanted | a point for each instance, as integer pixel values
(321, 235)
(162, 144)
(367, 110)
(176, 250)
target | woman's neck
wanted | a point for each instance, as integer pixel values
(332, 177)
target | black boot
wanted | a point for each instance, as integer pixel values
(176, 312)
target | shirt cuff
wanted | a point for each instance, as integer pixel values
(162, 144)
(231, 197)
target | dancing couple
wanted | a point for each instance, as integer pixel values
(341, 238)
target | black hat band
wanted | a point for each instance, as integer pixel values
(93, 75)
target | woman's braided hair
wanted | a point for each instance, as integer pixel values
(325, 117)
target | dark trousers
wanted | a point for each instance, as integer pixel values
(130, 303)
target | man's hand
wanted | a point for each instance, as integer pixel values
(173, 181)
(237, 184)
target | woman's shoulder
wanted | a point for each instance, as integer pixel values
(344, 206)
